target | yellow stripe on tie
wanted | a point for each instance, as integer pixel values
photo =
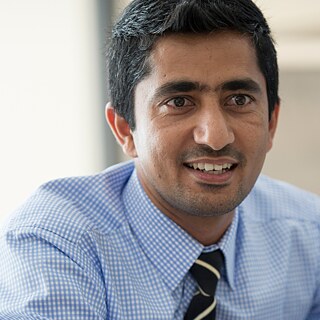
(209, 267)
(203, 314)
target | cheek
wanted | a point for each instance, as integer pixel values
(253, 137)
(149, 146)
(259, 145)
(161, 151)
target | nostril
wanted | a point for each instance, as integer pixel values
(215, 138)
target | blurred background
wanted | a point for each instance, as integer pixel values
(53, 92)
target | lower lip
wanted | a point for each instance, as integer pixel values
(212, 178)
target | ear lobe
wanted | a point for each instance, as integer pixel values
(121, 131)
(273, 125)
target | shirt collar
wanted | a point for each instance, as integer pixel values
(227, 244)
(168, 247)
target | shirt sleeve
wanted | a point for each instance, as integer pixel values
(44, 276)
(315, 310)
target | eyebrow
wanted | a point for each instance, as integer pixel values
(173, 87)
(241, 84)
(178, 86)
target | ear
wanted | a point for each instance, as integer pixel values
(273, 124)
(121, 131)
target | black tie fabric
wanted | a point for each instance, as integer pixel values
(206, 271)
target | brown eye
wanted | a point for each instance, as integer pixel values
(179, 102)
(239, 100)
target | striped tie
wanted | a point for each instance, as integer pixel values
(206, 271)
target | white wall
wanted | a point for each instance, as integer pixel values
(51, 97)
(296, 152)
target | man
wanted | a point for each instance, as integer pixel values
(194, 100)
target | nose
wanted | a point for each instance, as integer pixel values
(213, 129)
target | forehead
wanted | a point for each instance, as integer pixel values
(205, 56)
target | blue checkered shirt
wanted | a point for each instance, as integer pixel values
(97, 248)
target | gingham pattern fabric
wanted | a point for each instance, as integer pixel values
(96, 248)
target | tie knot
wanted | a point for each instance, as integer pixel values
(206, 271)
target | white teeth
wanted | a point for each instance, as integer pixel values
(201, 166)
(208, 166)
(216, 168)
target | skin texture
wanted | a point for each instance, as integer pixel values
(205, 101)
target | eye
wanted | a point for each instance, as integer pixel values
(179, 102)
(239, 100)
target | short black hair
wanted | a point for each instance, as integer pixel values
(144, 21)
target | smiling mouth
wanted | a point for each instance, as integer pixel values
(211, 168)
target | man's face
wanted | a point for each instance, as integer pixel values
(202, 129)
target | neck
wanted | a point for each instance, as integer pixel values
(206, 230)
